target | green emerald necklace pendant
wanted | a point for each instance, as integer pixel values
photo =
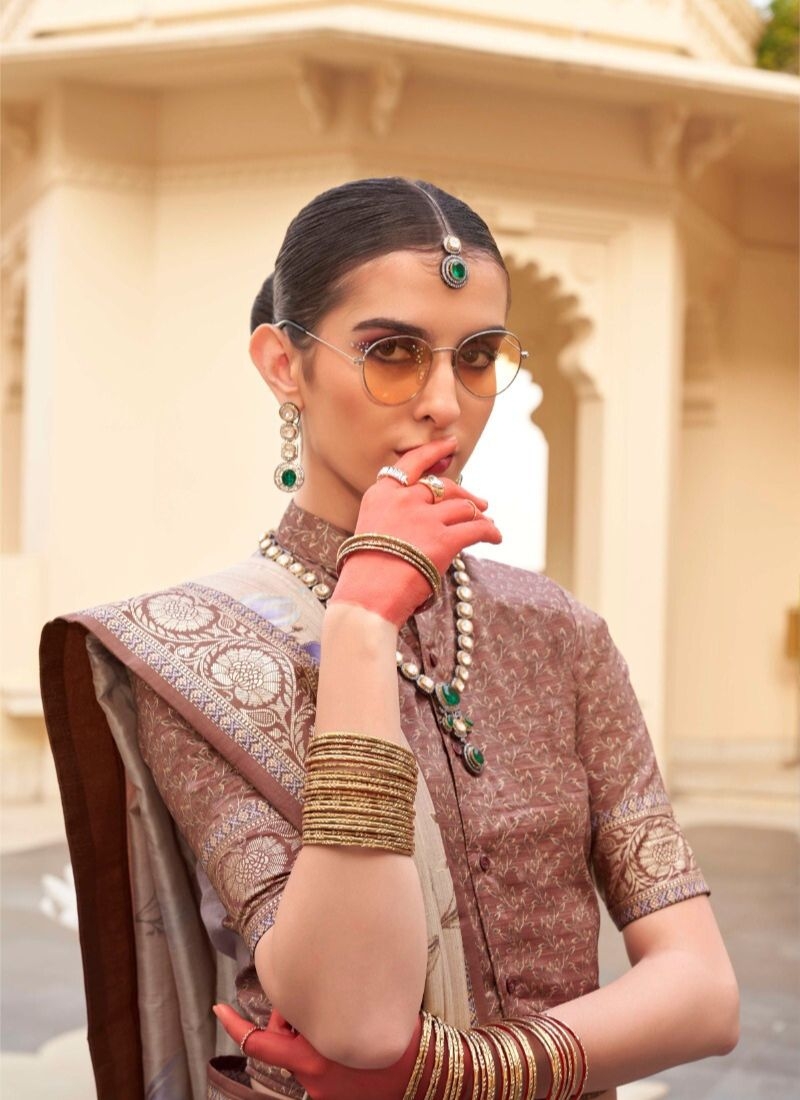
(453, 721)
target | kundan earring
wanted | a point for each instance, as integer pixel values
(289, 475)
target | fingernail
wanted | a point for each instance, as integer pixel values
(214, 1009)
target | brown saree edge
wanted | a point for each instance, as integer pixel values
(92, 784)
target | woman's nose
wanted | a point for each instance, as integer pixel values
(438, 398)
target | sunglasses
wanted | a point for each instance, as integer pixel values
(394, 369)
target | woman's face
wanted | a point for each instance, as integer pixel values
(347, 436)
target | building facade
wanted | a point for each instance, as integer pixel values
(641, 179)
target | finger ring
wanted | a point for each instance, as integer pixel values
(393, 472)
(436, 486)
(474, 508)
(246, 1036)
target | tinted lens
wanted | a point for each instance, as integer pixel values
(487, 363)
(395, 368)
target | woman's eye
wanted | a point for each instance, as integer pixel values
(477, 358)
(398, 352)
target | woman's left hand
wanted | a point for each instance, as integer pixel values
(280, 1045)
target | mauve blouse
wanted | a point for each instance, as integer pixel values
(571, 797)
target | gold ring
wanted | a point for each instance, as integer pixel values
(474, 508)
(246, 1036)
(436, 486)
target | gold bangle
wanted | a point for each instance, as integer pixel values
(477, 1074)
(422, 1054)
(574, 1055)
(388, 544)
(566, 1052)
(458, 1060)
(489, 1063)
(513, 1060)
(450, 1052)
(510, 1079)
(438, 1053)
(363, 745)
(528, 1055)
(553, 1056)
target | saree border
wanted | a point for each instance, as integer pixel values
(93, 791)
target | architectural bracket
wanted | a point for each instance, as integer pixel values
(679, 139)
(708, 137)
(386, 86)
(316, 87)
(19, 133)
(665, 129)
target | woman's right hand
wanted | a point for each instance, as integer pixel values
(280, 1045)
(387, 585)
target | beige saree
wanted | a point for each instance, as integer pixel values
(151, 971)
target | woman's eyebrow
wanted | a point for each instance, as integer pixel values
(401, 327)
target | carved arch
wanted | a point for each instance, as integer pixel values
(551, 317)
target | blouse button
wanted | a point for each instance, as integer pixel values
(484, 863)
(517, 987)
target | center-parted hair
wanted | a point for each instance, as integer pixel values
(349, 225)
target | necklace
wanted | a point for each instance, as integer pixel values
(444, 694)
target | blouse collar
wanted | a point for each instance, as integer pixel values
(310, 537)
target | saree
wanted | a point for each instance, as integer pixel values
(151, 970)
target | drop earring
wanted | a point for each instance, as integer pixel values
(289, 474)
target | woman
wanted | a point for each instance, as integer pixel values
(392, 791)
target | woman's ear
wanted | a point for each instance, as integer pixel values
(277, 362)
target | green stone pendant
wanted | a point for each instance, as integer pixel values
(289, 476)
(447, 696)
(474, 760)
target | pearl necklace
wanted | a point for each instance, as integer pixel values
(445, 694)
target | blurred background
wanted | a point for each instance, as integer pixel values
(637, 161)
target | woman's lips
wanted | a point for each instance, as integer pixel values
(439, 468)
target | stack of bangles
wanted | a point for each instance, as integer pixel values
(388, 544)
(359, 791)
(499, 1058)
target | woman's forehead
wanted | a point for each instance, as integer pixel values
(408, 285)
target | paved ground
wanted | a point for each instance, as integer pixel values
(754, 872)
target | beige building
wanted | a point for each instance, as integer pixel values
(641, 178)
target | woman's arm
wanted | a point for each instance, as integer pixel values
(678, 1002)
(345, 960)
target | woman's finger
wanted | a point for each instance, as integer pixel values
(473, 531)
(451, 490)
(273, 1047)
(415, 462)
(449, 512)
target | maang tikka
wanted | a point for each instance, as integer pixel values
(453, 269)
(289, 474)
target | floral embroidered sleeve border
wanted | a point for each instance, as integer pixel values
(245, 846)
(642, 860)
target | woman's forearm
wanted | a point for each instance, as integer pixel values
(345, 961)
(679, 1002)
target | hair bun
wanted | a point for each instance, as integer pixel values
(263, 312)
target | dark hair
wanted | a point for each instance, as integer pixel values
(345, 227)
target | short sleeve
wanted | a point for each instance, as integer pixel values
(246, 848)
(640, 858)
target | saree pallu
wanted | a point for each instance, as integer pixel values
(151, 971)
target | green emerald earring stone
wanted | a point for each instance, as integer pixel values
(288, 477)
